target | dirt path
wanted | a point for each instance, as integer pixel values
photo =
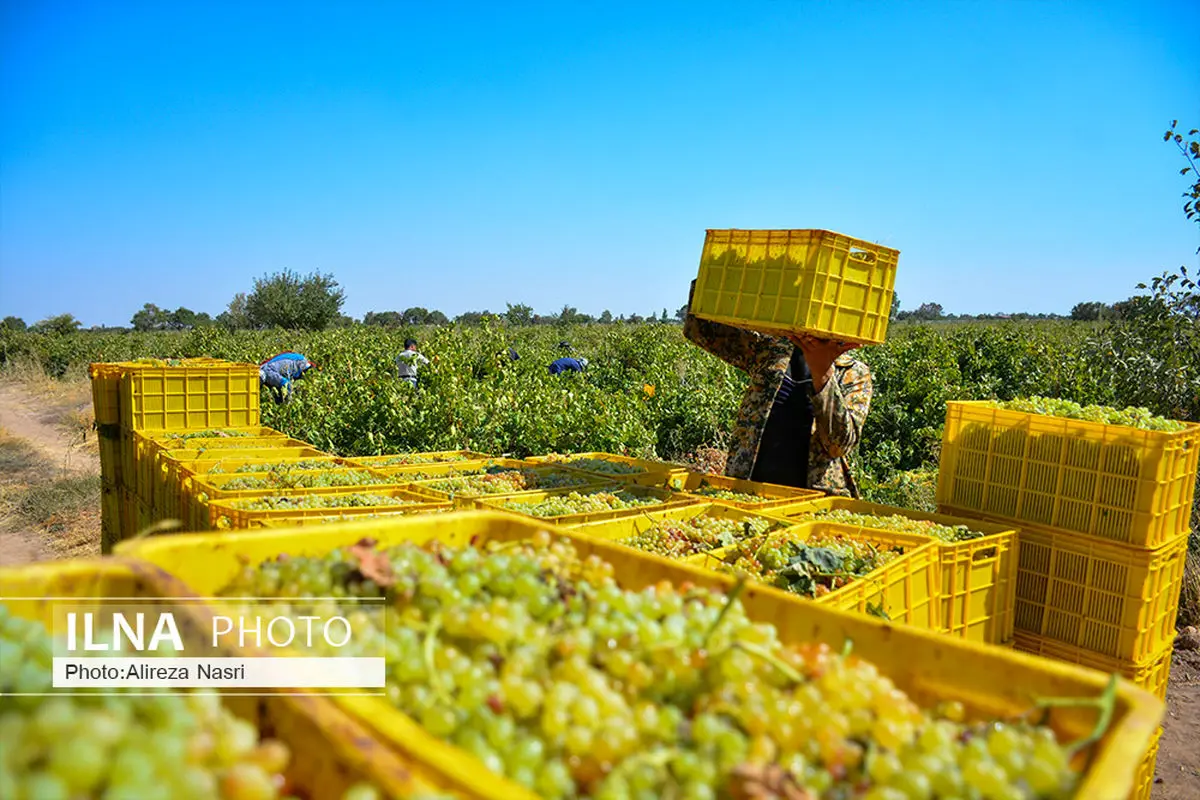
(1177, 773)
(40, 422)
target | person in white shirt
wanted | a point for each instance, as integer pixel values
(408, 361)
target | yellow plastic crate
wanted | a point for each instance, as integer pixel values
(296, 522)
(173, 437)
(644, 471)
(330, 751)
(112, 456)
(1108, 481)
(990, 682)
(466, 497)
(793, 281)
(773, 495)
(1143, 788)
(110, 518)
(200, 490)
(168, 477)
(106, 393)
(435, 457)
(667, 500)
(1151, 674)
(617, 530)
(904, 590)
(1114, 600)
(194, 395)
(979, 577)
(226, 515)
(422, 472)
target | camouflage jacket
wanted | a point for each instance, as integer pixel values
(839, 409)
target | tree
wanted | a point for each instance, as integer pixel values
(437, 318)
(928, 311)
(681, 312)
(893, 315)
(13, 324)
(287, 300)
(663, 318)
(386, 319)
(519, 314)
(606, 318)
(235, 316)
(61, 324)
(1191, 154)
(471, 318)
(182, 319)
(415, 316)
(150, 318)
(1088, 312)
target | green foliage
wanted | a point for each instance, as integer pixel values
(153, 318)
(287, 300)
(1088, 312)
(13, 324)
(1189, 147)
(61, 325)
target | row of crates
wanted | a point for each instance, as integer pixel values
(1104, 514)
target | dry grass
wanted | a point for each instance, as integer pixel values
(62, 509)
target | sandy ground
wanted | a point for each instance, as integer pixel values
(53, 420)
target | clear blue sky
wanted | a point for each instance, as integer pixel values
(458, 156)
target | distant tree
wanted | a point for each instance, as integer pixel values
(519, 314)
(634, 319)
(663, 318)
(236, 316)
(13, 324)
(606, 317)
(386, 319)
(927, 311)
(472, 318)
(288, 300)
(343, 321)
(1088, 312)
(150, 318)
(181, 319)
(681, 312)
(893, 314)
(437, 318)
(61, 324)
(415, 316)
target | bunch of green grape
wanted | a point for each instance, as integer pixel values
(896, 522)
(717, 493)
(279, 466)
(178, 439)
(305, 479)
(774, 558)
(120, 746)
(412, 458)
(1130, 417)
(537, 663)
(303, 501)
(583, 503)
(507, 481)
(600, 465)
(680, 538)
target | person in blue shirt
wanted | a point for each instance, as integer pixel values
(568, 364)
(280, 372)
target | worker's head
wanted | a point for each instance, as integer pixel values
(410, 344)
(583, 363)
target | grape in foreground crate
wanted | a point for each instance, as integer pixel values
(573, 666)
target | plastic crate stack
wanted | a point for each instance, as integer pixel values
(1103, 512)
(153, 394)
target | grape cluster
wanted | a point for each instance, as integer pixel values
(562, 505)
(507, 481)
(718, 493)
(305, 479)
(412, 458)
(1129, 417)
(536, 662)
(679, 538)
(302, 501)
(121, 747)
(810, 567)
(178, 439)
(599, 465)
(897, 522)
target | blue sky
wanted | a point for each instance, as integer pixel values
(459, 156)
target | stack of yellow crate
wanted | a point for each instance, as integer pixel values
(1104, 513)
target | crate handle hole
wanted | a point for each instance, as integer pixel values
(858, 254)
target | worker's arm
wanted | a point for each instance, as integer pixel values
(840, 407)
(735, 346)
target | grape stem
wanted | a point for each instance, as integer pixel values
(784, 669)
(1106, 704)
(730, 599)
(435, 682)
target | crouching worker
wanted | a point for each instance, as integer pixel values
(281, 371)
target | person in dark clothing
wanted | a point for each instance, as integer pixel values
(568, 364)
(784, 447)
(280, 372)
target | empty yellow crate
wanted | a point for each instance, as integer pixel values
(618, 530)
(330, 751)
(665, 499)
(229, 515)
(1151, 674)
(190, 396)
(903, 590)
(979, 576)
(1108, 481)
(1114, 600)
(772, 495)
(641, 471)
(436, 457)
(991, 682)
(793, 281)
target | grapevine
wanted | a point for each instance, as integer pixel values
(536, 662)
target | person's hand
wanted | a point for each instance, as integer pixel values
(820, 355)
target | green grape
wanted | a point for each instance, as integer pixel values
(507, 481)
(897, 522)
(600, 465)
(179, 439)
(583, 503)
(536, 662)
(281, 466)
(304, 479)
(700, 534)
(811, 567)
(411, 458)
(303, 501)
(1130, 417)
(726, 494)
